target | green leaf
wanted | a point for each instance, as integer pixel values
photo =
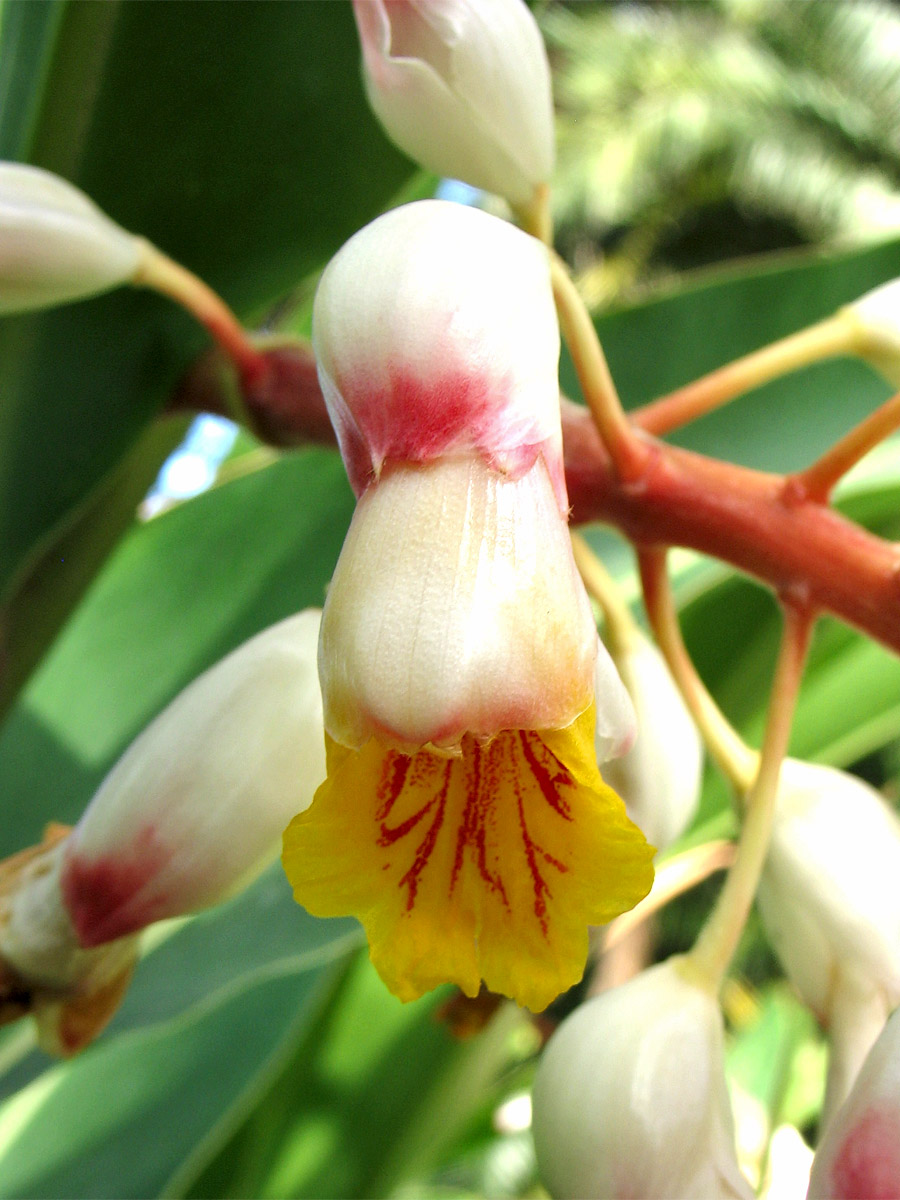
(127, 1115)
(235, 136)
(61, 573)
(181, 591)
(27, 34)
(370, 1100)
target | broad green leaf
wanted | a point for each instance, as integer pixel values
(370, 1100)
(235, 136)
(127, 1115)
(64, 569)
(27, 34)
(181, 591)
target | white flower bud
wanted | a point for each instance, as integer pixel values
(196, 806)
(827, 894)
(830, 908)
(437, 343)
(659, 778)
(859, 1155)
(435, 332)
(462, 87)
(630, 1097)
(55, 244)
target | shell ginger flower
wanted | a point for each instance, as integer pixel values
(463, 820)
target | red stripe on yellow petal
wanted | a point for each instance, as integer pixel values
(486, 866)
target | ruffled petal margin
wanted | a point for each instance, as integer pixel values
(487, 865)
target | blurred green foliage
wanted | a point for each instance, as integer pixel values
(692, 132)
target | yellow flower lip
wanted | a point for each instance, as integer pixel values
(489, 865)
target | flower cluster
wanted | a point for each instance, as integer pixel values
(464, 820)
(429, 752)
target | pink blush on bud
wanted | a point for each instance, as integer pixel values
(108, 897)
(868, 1162)
(414, 420)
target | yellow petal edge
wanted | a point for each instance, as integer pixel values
(489, 865)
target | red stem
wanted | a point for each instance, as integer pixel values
(764, 525)
(759, 523)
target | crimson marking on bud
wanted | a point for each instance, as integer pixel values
(103, 896)
(416, 420)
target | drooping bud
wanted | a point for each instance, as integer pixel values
(462, 87)
(196, 806)
(55, 244)
(876, 319)
(659, 778)
(464, 820)
(437, 343)
(829, 906)
(859, 1155)
(630, 1097)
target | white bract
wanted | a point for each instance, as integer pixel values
(462, 87)
(456, 605)
(859, 1154)
(196, 806)
(830, 904)
(630, 1098)
(659, 778)
(55, 244)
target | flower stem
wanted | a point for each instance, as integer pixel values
(161, 273)
(818, 479)
(628, 452)
(828, 338)
(621, 626)
(745, 518)
(733, 757)
(719, 937)
(536, 217)
(674, 877)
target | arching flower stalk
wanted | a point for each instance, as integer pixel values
(464, 820)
